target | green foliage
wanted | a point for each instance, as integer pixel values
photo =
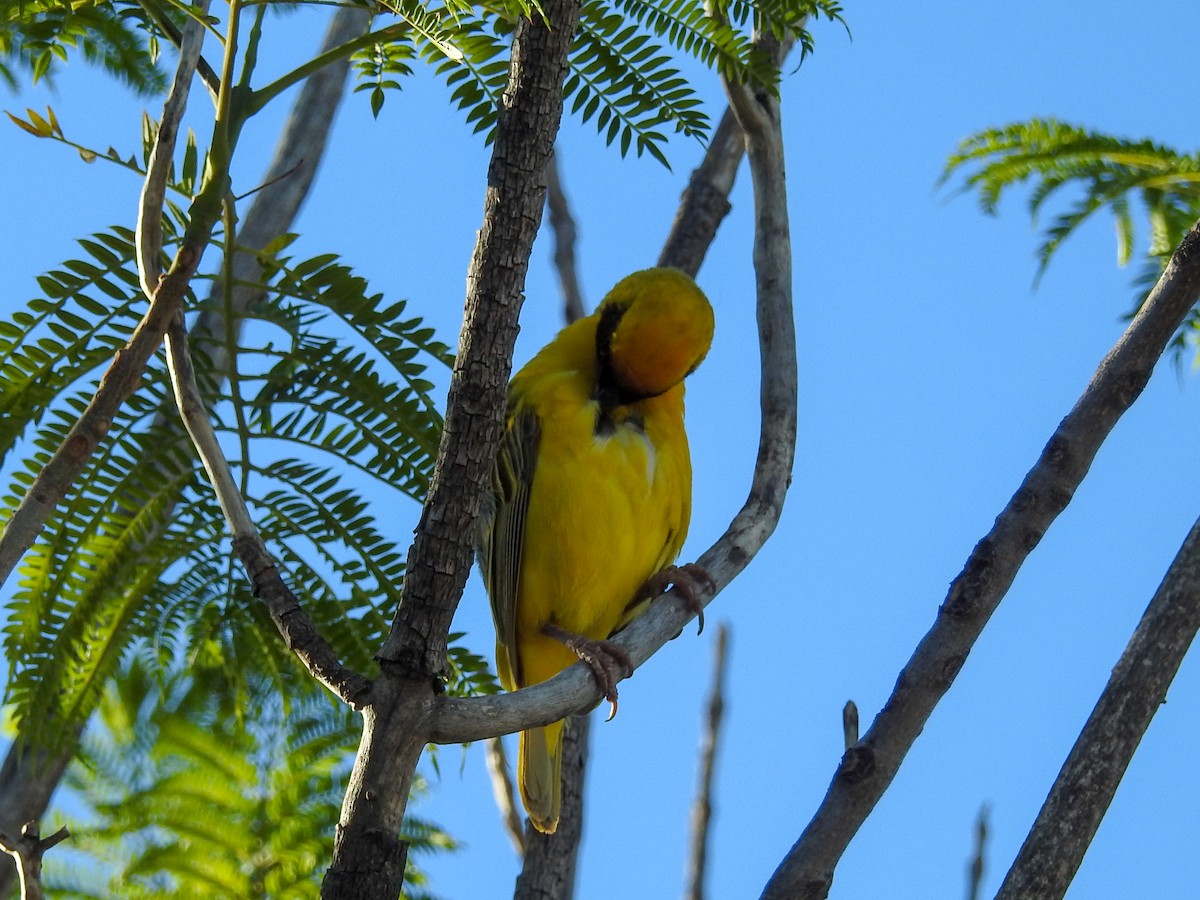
(623, 75)
(37, 35)
(189, 795)
(329, 370)
(1128, 177)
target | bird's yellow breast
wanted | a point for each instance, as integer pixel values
(608, 508)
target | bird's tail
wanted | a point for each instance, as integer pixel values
(539, 772)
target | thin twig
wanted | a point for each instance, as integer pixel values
(298, 630)
(869, 767)
(702, 806)
(27, 851)
(503, 792)
(1068, 820)
(562, 223)
(979, 856)
(158, 168)
(204, 70)
(849, 724)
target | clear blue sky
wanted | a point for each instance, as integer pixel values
(931, 376)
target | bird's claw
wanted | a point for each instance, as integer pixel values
(685, 578)
(602, 657)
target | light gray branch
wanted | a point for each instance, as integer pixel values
(154, 187)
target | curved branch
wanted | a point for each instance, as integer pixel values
(298, 630)
(453, 719)
(158, 167)
(868, 768)
(1068, 820)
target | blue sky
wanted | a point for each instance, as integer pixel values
(931, 375)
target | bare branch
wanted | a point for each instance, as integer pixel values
(850, 724)
(869, 767)
(563, 225)
(1068, 820)
(154, 187)
(369, 857)
(705, 200)
(702, 805)
(976, 868)
(549, 870)
(502, 791)
(27, 851)
(297, 628)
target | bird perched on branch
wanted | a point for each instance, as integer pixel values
(591, 498)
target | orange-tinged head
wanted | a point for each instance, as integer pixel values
(655, 327)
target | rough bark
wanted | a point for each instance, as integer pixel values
(368, 860)
(549, 869)
(868, 768)
(1068, 821)
(705, 201)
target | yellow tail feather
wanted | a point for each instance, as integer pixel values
(539, 772)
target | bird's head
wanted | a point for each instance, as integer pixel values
(654, 329)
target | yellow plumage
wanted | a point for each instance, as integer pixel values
(592, 491)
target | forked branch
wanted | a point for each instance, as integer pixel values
(453, 719)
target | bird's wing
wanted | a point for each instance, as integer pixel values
(504, 541)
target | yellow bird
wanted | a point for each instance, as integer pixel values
(591, 496)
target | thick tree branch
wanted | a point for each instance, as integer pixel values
(454, 719)
(369, 856)
(702, 806)
(869, 767)
(549, 869)
(27, 851)
(1070, 817)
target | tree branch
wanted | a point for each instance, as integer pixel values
(368, 859)
(158, 167)
(562, 223)
(705, 201)
(1071, 815)
(27, 851)
(453, 719)
(504, 793)
(29, 776)
(868, 768)
(297, 629)
(549, 869)
(702, 806)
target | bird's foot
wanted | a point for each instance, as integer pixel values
(686, 579)
(602, 657)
